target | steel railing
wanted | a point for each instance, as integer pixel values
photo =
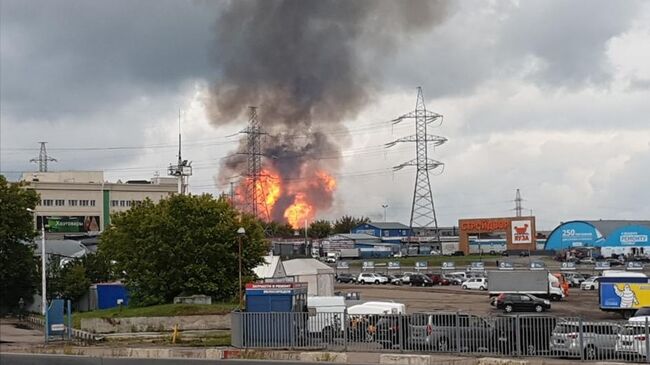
(518, 335)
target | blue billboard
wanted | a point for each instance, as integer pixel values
(629, 236)
(573, 235)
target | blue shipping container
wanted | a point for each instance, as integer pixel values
(109, 294)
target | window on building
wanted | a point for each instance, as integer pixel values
(92, 203)
(59, 202)
(84, 203)
(48, 202)
(115, 203)
(128, 203)
(386, 233)
(72, 202)
(122, 203)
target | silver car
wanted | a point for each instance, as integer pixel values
(631, 342)
(598, 339)
(446, 332)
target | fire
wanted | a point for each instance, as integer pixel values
(328, 181)
(268, 187)
(299, 212)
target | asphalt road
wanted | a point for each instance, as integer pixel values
(34, 359)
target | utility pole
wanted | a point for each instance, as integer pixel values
(423, 213)
(183, 169)
(254, 165)
(385, 206)
(42, 158)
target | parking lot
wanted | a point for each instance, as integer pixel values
(453, 298)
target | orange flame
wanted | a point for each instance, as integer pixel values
(299, 212)
(327, 180)
(268, 188)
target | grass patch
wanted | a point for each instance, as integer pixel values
(162, 310)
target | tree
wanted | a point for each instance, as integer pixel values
(18, 268)
(276, 229)
(320, 229)
(347, 222)
(182, 245)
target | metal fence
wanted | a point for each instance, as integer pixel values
(437, 332)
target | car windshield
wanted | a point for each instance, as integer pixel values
(645, 311)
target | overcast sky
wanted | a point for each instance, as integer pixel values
(552, 97)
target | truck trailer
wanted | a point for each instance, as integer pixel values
(623, 292)
(538, 283)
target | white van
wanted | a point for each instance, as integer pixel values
(377, 308)
(326, 315)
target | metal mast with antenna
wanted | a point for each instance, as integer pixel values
(423, 213)
(183, 169)
(518, 207)
(42, 158)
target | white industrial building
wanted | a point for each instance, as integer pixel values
(271, 270)
(318, 276)
(82, 201)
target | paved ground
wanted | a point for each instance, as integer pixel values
(15, 332)
(453, 298)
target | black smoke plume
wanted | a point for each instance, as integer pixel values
(304, 64)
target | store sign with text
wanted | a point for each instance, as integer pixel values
(522, 231)
(69, 224)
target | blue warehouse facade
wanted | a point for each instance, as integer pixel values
(619, 237)
(389, 232)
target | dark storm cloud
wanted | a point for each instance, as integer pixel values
(79, 57)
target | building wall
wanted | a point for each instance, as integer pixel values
(85, 194)
(508, 225)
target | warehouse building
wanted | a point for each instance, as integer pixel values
(82, 201)
(621, 237)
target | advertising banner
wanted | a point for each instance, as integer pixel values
(421, 265)
(635, 265)
(368, 265)
(602, 265)
(69, 224)
(342, 265)
(477, 266)
(568, 266)
(537, 265)
(505, 265)
(393, 265)
(522, 231)
(624, 295)
(448, 266)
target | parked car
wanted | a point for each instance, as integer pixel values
(587, 261)
(420, 280)
(524, 253)
(590, 283)
(598, 339)
(458, 253)
(615, 262)
(532, 330)
(406, 276)
(521, 302)
(476, 283)
(371, 278)
(631, 341)
(386, 331)
(453, 280)
(438, 279)
(574, 279)
(395, 280)
(449, 331)
(505, 253)
(345, 278)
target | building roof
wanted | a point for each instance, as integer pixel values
(306, 267)
(386, 225)
(354, 236)
(605, 227)
(67, 249)
(268, 268)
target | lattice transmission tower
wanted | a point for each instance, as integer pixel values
(518, 207)
(423, 212)
(42, 158)
(253, 175)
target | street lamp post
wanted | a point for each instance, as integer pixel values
(385, 206)
(43, 264)
(240, 233)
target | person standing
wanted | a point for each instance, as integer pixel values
(21, 309)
